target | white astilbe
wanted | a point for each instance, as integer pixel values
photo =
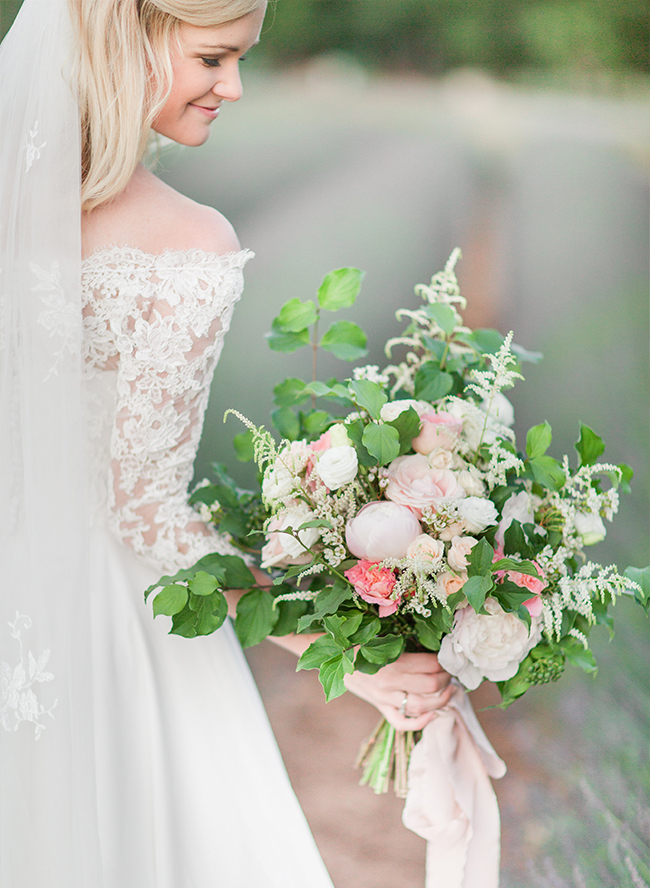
(264, 447)
(298, 595)
(501, 462)
(417, 578)
(443, 290)
(486, 383)
(579, 495)
(577, 593)
(372, 373)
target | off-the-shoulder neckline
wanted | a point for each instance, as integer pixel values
(181, 255)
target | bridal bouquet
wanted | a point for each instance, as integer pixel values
(403, 517)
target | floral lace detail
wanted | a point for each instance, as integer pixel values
(32, 150)
(60, 319)
(18, 702)
(159, 321)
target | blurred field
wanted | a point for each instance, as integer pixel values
(547, 195)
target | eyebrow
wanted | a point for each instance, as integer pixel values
(223, 46)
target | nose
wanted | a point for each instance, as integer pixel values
(229, 86)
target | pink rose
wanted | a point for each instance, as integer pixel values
(382, 530)
(375, 585)
(437, 430)
(414, 483)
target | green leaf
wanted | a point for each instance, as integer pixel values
(368, 396)
(383, 649)
(641, 576)
(515, 541)
(230, 570)
(171, 600)
(538, 440)
(332, 672)
(289, 614)
(290, 392)
(315, 422)
(578, 655)
(427, 634)
(243, 444)
(345, 340)
(477, 590)
(480, 559)
(589, 446)
(326, 602)
(296, 315)
(318, 389)
(203, 583)
(184, 623)
(282, 341)
(483, 341)
(381, 441)
(524, 567)
(355, 432)
(369, 628)
(286, 422)
(256, 617)
(340, 288)
(511, 596)
(514, 687)
(444, 316)
(407, 424)
(432, 383)
(365, 666)
(318, 652)
(209, 611)
(547, 472)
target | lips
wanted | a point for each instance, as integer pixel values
(209, 112)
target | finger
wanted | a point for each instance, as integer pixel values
(426, 663)
(404, 723)
(419, 683)
(420, 704)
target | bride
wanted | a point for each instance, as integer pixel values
(129, 758)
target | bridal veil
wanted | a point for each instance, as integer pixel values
(48, 835)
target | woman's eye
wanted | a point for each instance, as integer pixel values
(211, 63)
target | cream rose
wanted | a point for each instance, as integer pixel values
(282, 549)
(477, 513)
(337, 466)
(448, 583)
(470, 480)
(382, 530)
(392, 409)
(459, 551)
(425, 548)
(488, 645)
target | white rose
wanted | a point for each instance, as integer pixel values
(459, 552)
(283, 549)
(589, 527)
(281, 481)
(470, 480)
(440, 458)
(425, 548)
(517, 508)
(339, 436)
(337, 466)
(487, 646)
(392, 409)
(477, 513)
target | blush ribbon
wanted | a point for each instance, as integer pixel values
(451, 802)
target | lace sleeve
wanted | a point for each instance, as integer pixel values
(168, 346)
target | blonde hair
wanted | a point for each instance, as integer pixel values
(123, 74)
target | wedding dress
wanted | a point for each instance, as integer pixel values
(191, 790)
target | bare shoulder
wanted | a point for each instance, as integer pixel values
(155, 218)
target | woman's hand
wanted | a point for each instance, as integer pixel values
(407, 692)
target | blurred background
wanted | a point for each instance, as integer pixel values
(382, 135)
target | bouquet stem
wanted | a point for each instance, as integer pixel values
(384, 756)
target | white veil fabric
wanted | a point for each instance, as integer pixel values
(48, 830)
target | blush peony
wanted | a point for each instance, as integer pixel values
(437, 430)
(488, 645)
(382, 530)
(414, 483)
(375, 585)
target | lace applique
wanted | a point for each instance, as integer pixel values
(32, 151)
(18, 701)
(159, 320)
(60, 319)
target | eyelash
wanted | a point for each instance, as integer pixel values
(215, 63)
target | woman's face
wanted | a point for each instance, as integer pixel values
(205, 73)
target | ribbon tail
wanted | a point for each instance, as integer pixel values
(451, 802)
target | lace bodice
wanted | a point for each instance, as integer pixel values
(154, 326)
